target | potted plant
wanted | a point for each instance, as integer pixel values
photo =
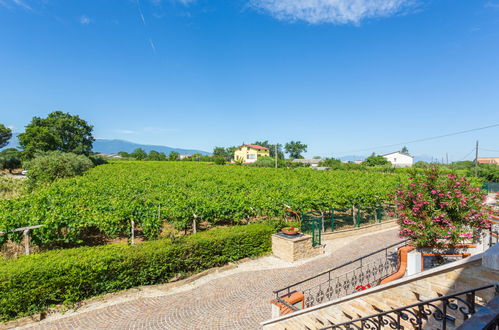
(441, 210)
(290, 231)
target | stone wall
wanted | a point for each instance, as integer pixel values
(296, 248)
(458, 276)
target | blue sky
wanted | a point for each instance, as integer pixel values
(338, 75)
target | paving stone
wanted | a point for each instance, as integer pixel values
(236, 301)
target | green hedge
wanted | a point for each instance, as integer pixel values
(33, 283)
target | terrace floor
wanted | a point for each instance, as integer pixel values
(236, 298)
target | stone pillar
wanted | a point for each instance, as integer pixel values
(490, 258)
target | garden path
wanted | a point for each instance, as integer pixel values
(233, 299)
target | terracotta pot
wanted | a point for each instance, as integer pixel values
(289, 232)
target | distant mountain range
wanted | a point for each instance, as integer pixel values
(114, 146)
(106, 146)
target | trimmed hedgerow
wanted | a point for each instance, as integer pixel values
(34, 283)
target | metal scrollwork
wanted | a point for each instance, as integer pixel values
(309, 301)
(337, 288)
(329, 292)
(320, 296)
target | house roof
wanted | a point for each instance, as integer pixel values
(254, 146)
(307, 161)
(397, 152)
(488, 160)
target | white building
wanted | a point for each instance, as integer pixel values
(310, 162)
(399, 159)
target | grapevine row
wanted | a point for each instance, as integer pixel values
(107, 197)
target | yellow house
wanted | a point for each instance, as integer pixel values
(249, 153)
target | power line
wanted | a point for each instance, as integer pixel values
(469, 153)
(424, 139)
(489, 149)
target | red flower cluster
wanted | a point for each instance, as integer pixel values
(362, 287)
(436, 209)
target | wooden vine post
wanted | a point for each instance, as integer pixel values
(26, 239)
(132, 238)
(194, 224)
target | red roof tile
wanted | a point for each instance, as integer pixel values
(254, 146)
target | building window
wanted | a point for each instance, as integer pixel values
(251, 156)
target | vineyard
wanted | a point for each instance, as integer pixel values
(151, 194)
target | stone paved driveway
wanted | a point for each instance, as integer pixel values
(235, 301)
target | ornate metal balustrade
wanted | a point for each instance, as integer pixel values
(439, 313)
(348, 278)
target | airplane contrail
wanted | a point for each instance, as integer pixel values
(140, 12)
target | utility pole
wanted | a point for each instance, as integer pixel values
(476, 159)
(275, 148)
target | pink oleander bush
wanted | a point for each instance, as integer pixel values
(437, 209)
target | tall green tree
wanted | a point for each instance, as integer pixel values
(5, 135)
(229, 152)
(139, 154)
(173, 156)
(154, 155)
(219, 152)
(295, 149)
(404, 151)
(58, 132)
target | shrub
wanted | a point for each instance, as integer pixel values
(10, 159)
(219, 160)
(50, 166)
(378, 160)
(437, 209)
(33, 283)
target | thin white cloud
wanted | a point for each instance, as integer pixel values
(491, 4)
(15, 3)
(85, 20)
(332, 11)
(22, 4)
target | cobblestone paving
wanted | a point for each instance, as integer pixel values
(237, 301)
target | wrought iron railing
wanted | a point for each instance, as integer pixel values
(439, 313)
(340, 218)
(353, 276)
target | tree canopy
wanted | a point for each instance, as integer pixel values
(295, 149)
(272, 148)
(5, 135)
(10, 159)
(139, 154)
(58, 132)
(374, 160)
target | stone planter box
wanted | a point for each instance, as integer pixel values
(292, 248)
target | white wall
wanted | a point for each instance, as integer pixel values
(399, 160)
